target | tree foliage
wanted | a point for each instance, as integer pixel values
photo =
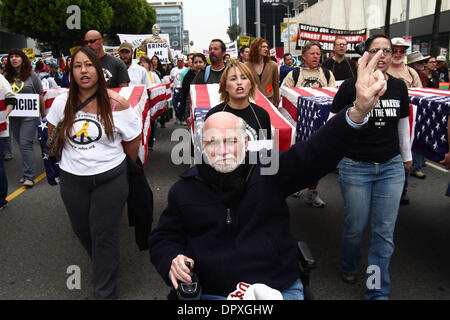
(234, 32)
(46, 21)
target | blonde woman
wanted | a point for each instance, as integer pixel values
(145, 62)
(237, 86)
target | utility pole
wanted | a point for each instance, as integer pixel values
(258, 18)
(407, 18)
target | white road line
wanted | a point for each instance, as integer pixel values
(436, 167)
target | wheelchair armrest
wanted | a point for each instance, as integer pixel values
(306, 258)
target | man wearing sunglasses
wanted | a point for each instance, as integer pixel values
(114, 69)
(398, 68)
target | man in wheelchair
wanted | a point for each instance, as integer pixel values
(229, 219)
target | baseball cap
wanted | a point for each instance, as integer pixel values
(441, 59)
(126, 45)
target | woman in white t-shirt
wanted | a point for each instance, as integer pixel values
(94, 185)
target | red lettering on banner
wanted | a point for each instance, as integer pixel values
(243, 286)
(330, 37)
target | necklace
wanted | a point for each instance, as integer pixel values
(256, 117)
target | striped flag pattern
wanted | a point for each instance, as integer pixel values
(3, 121)
(308, 109)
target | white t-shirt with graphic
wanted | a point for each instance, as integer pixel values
(175, 74)
(89, 151)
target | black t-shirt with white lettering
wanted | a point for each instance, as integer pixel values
(379, 141)
(257, 119)
(115, 71)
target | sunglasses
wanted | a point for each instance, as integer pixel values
(399, 51)
(86, 42)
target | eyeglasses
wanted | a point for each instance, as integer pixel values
(86, 42)
(340, 44)
(386, 52)
(399, 50)
(434, 62)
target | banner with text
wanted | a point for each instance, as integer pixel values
(137, 39)
(161, 50)
(232, 50)
(27, 105)
(326, 37)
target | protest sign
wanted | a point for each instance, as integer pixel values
(326, 37)
(27, 105)
(161, 50)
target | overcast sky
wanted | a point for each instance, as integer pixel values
(206, 20)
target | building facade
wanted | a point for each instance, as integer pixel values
(271, 18)
(370, 14)
(169, 16)
(233, 12)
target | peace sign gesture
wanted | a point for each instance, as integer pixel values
(370, 86)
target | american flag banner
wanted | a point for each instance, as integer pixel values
(310, 107)
(207, 96)
(290, 98)
(158, 101)
(168, 82)
(137, 96)
(3, 120)
(433, 107)
(50, 163)
(177, 104)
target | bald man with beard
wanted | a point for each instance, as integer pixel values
(114, 69)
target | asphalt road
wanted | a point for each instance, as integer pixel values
(37, 244)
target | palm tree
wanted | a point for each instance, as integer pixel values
(387, 22)
(435, 48)
(234, 32)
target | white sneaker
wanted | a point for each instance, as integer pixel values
(313, 199)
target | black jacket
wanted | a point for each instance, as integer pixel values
(140, 203)
(257, 246)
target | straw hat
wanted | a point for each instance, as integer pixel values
(416, 56)
(399, 42)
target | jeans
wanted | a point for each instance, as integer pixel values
(7, 147)
(25, 132)
(417, 162)
(294, 292)
(376, 189)
(3, 177)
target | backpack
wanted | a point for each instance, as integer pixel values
(296, 74)
(207, 73)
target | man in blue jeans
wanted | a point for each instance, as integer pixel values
(228, 217)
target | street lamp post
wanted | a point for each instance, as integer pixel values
(276, 4)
